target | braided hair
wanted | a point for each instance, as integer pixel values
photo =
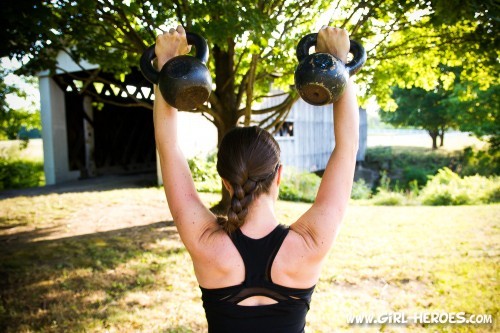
(248, 158)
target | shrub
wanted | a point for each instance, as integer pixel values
(360, 190)
(480, 162)
(412, 174)
(408, 164)
(447, 188)
(204, 171)
(299, 186)
(18, 173)
(388, 198)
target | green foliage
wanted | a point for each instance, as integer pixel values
(297, 186)
(16, 122)
(476, 109)
(419, 174)
(388, 198)
(204, 171)
(481, 162)
(447, 188)
(428, 110)
(410, 39)
(407, 164)
(456, 101)
(13, 121)
(360, 190)
(415, 175)
(17, 173)
(385, 196)
(411, 56)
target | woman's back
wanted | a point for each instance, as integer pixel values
(258, 302)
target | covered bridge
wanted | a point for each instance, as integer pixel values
(83, 137)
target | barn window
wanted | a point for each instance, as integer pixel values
(286, 129)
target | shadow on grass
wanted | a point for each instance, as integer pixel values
(75, 283)
(99, 183)
(14, 240)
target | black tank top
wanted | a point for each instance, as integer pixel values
(288, 315)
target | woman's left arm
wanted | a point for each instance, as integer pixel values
(191, 217)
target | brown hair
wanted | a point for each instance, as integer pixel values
(248, 159)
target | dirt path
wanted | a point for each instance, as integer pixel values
(79, 208)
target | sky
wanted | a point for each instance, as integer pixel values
(32, 100)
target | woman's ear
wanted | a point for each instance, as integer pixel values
(228, 186)
(280, 169)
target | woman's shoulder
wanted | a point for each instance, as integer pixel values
(216, 261)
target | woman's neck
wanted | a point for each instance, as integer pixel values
(260, 219)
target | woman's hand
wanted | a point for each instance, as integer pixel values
(171, 44)
(334, 41)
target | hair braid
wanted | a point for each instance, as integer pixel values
(248, 159)
(241, 199)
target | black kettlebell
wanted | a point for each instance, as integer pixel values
(321, 78)
(184, 81)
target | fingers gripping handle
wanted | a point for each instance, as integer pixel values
(152, 75)
(355, 48)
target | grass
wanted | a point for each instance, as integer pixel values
(135, 276)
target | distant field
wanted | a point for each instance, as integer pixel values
(410, 138)
(415, 138)
(34, 150)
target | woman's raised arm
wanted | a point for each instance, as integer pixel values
(191, 217)
(320, 224)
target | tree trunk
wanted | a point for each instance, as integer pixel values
(228, 110)
(222, 206)
(434, 135)
(441, 138)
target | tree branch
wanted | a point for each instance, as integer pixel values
(129, 30)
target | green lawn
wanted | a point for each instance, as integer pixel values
(138, 278)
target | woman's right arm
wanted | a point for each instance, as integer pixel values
(192, 219)
(320, 224)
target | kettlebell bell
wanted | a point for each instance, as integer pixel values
(184, 81)
(321, 78)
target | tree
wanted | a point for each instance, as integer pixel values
(465, 106)
(476, 110)
(252, 42)
(13, 121)
(422, 109)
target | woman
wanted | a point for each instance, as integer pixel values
(255, 274)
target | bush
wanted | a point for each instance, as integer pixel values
(360, 190)
(412, 174)
(480, 162)
(18, 173)
(299, 186)
(204, 171)
(388, 198)
(447, 188)
(404, 165)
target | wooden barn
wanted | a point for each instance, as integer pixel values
(306, 138)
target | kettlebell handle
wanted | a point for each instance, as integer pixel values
(153, 76)
(357, 50)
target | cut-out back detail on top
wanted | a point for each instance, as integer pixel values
(224, 314)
